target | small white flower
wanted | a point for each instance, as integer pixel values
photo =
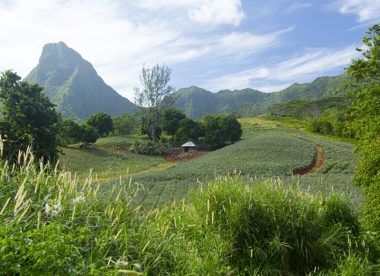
(57, 208)
(47, 209)
(53, 210)
(79, 199)
(121, 263)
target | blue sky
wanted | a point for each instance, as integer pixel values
(215, 44)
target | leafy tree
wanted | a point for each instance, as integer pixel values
(214, 135)
(188, 130)
(222, 129)
(70, 131)
(364, 86)
(154, 98)
(29, 118)
(102, 122)
(123, 124)
(88, 134)
(171, 121)
(231, 128)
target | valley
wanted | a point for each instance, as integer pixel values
(268, 150)
(213, 137)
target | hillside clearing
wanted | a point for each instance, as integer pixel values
(268, 149)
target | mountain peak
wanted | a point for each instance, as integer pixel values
(73, 85)
(59, 53)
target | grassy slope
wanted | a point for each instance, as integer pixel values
(268, 149)
(109, 159)
(51, 226)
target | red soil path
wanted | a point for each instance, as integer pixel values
(179, 155)
(317, 162)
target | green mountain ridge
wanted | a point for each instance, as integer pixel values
(73, 84)
(197, 102)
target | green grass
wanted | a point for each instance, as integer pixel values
(302, 124)
(52, 225)
(109, 159)
(292, 122)
(268, 149)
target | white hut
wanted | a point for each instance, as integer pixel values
(189, 146)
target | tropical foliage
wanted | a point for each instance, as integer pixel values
(29, 118)
(102, 122)
(365, 95)
(51, 225)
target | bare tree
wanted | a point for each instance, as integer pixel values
(154, 98)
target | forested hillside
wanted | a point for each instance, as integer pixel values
(197, 102)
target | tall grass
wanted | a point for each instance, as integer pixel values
(52, 224)
(262, 229)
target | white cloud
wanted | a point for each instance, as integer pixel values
(118, 39)
(208, 12)
(366, 10)
(217, 12)
(248, 43)
(275, 77)
(298, 6)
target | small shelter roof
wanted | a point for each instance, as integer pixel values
(189, 144)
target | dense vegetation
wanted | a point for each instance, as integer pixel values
(267, 149)
(102, 122)
(28, 118)
(51, 224)
(274, 201)
(197, 102)
(364, 87)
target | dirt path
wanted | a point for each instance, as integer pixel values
(317, 162)
(179, 155)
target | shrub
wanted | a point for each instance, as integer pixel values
(102, 122)
(188, 130)
(171, 120)
(123, 125)
(150, 147)
(70, 132)
(221, 129)
(52, 249)
(353, 266)
(88, 134)
(278, 231)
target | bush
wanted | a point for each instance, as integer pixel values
(88, 134)
(277, 231)
(52, 249)
(102, 122)
(188, 130)
(70, 132)
(123, 125)
(150, 147)
(171, 120)
(354, 266)
(222, 129)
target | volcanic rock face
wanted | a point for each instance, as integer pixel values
(73, 85)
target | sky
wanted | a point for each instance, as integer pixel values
(214, 44)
